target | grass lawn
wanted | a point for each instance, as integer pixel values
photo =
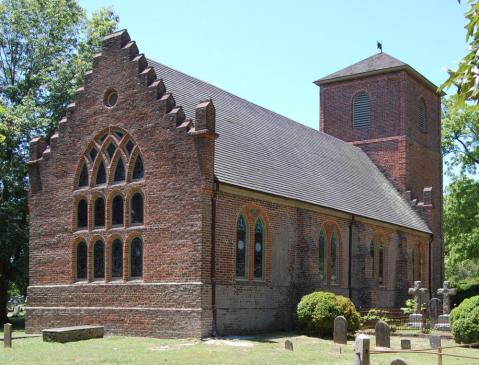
(265, 349)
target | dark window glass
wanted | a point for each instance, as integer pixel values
(117, 211)
(129, 146)
(136, 215)
(111, 99)
(372, 255)
(241, 248)
(82, 214)
(138, 168)
(419, 274)
(136, 258)
(83, 180)
(119, 135)
(413, 265)
(361, 111)
(322, 254)
(81, 260)
(334, 258)
(111, 149)
(99, 212)
(422, 116)
(103, 137)
(93, 153)
(119, 171)
(258, 249)
(101, 174)
(381, 265)
(117, 259)
(99, 260)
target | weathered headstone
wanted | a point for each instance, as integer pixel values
(361, 350)
(434, 310)
(405, 344)
(340, 334)
(398, 362)
(435, 341)
(443, 320)
(383, 334)
(416, 319)
(288, 345)
(7, 335)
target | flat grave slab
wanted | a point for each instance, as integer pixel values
(75, 333)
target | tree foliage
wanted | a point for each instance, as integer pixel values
(45, 48)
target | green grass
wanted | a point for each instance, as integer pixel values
(265, 349)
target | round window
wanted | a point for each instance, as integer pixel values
(111, 97)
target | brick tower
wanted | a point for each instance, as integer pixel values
(392, 113)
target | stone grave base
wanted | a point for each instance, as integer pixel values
(69, 334)
(443, 323)
(416, 321)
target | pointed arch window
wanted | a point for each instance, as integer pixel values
(99, 212)
(117, 259)
(241, 248)
(83, 179)
(117, 211)
(81, 260)
(101, 174)
(381, 264)
(258, 264)
(136, 209)
(119, 171)
(99, 260)
(82, 214)
(372, 256)
(422, 120)
(138, 171)
(111, 150)
(413, 264)
(361, 111)
(322, 255)
(334, 258)
(136, 258)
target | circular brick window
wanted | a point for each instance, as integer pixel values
(111, 97)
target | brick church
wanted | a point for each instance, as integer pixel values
(167, 207)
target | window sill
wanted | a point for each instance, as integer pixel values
(98, 281)
(99, 228)
(135, 226)
(81, 230)
(81, 282)
(117, 227)
(135, 280)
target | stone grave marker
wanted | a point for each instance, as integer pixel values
(416, 319)
(435, 341)
(405, 344)
(288, 345)
(7, 335)
(361, 350)
(443, 320)
(398, 362)
(434, 310)
(383, 334)
(340, 334)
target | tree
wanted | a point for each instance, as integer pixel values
(45, 48)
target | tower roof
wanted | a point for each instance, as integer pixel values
(373, 65)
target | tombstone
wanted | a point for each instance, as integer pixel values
(398, 362)
(435, 341)
(7, 335)
(443, 320)
(340, 334)
(361, 350)
(405, 344)
(383, 334)
(434, 309)
(416, 319)
(288, 345)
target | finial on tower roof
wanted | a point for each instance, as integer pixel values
(380, 46)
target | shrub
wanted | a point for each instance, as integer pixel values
(465, 321)
(316, 312)
(465, 289)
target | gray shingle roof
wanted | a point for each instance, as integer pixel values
(267, 152)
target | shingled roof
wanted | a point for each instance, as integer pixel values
(263, 151)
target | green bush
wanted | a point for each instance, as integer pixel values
(316, 312)
(465, 289)
(465, 321)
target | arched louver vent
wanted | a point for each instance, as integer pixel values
(361, 111)
(422, 116)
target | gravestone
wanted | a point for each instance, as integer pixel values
(361, 350)
(434, 310)
(435, 341)
(340, 334)
(416, 319)
(69, 334)
(288, 345)
(7, 335)
(398, 362)
(405, 344)
(383, 335)
(443, 320)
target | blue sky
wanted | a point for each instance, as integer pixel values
(270, 52)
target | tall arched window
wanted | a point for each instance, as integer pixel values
(136, 209)
(381, 264)
(372, 255)
(136, 258)
(334, 258)
(413, 264)
(82, 214)
(99, 212)
(419, 264)
(422, 119)
(83, 179)
(117, 259)
(81, 264)
(119, 171)
(258, 267)
(241, 248)
(138, 171)
(322, 255)
(117, 211)
(99, 260)
(361, 111)
(101, 174)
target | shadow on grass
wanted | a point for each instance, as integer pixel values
(18, 323)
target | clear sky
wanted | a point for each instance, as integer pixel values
(270, 51)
